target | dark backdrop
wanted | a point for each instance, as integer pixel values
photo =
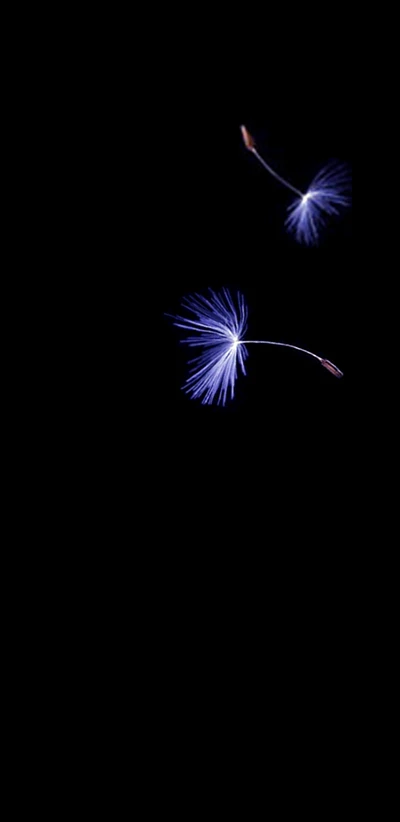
(230, 530)
(220, 222)
(192, 209)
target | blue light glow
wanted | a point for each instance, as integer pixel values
(329, 192)
(218, 328)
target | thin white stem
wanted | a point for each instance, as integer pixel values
(274, 174)
(286, 345)
(330, 366)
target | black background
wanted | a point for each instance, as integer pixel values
(217, 219)
(187, 208)
(223, 534)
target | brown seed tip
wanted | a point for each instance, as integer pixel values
(247, 138)
(332, 368)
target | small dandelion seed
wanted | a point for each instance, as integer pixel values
(328, 194)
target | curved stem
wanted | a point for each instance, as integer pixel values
(286, 345)
(330, 366)
(274, 173)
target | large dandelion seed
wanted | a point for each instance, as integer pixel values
(218, 324)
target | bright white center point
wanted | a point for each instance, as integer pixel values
(306, 197)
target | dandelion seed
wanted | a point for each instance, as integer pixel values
(329, 192)
(218, 329)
